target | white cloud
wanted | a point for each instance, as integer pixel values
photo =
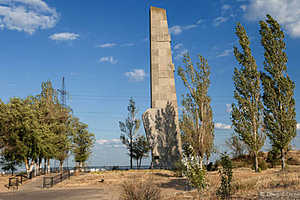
(298, 126)
(106, 45)
(219, 20)
(189, 26)
(64, 36)
(127, 45)
(109, 59)
(243, 7)
(176, 30)
(180, 54)
(200, 21)
(226, 52)
(178, 46)
(27, 15)
(222, 126)
(109, 142)
(226, 7)
(286, 12)
(136, 75)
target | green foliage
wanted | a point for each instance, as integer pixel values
(273, 156)
(83, 141)
(196, 123)
(9, 161)
(194, 171)
(279, 113)
(247, 112)
(129, 128)
(35, 128)
(225, 189)
(141, 148)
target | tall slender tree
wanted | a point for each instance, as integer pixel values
(83, 142)
(196, 122)
(129, 128)
(247, 111)
(278, 97)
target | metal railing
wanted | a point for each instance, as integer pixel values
(50, 181)
(13, 182)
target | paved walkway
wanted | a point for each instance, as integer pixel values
(66, 194)
(32, 185)
(33, 190)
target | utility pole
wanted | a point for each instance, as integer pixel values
(63, 100)
(63, 93)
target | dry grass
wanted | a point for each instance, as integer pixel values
(140, 190)
(246, 183)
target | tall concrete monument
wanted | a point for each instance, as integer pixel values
(161, 120)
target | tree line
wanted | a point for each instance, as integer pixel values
(38, 129)
(264, 100)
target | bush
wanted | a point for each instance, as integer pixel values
(194, 172)
(273, 157)
(179, 167)
(262, 164)
(140, 190)
(225, 189)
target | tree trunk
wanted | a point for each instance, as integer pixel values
(282, 160)
(131, 153)
(28, 167)
(48, 166)
(141, 161)
(201, 163)
(45, 165)
(256, 162)
(61, 166)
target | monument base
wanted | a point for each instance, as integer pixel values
(162, 131)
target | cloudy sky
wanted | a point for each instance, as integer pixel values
(102, 50)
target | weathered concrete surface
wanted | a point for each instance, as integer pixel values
(161, 121)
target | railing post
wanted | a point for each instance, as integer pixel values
(52, 181)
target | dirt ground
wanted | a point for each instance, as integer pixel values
(88, 186)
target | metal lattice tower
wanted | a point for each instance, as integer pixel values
(63, 93)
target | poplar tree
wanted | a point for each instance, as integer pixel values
(196, 123)
(247, 111)
(83, 142)
(278, 96)
(129, 128)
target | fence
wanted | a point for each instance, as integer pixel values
(50, 181)
(13, 182)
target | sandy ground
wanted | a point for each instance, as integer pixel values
(88, 186)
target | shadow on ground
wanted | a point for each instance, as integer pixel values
(66, 194)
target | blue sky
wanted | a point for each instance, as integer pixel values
(102, 50)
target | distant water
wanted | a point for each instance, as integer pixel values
(116, 155)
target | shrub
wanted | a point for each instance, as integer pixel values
(194, 172)
(225, 189)
(273, 157)
(262, 164)
(140, 190)
(179, 167)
